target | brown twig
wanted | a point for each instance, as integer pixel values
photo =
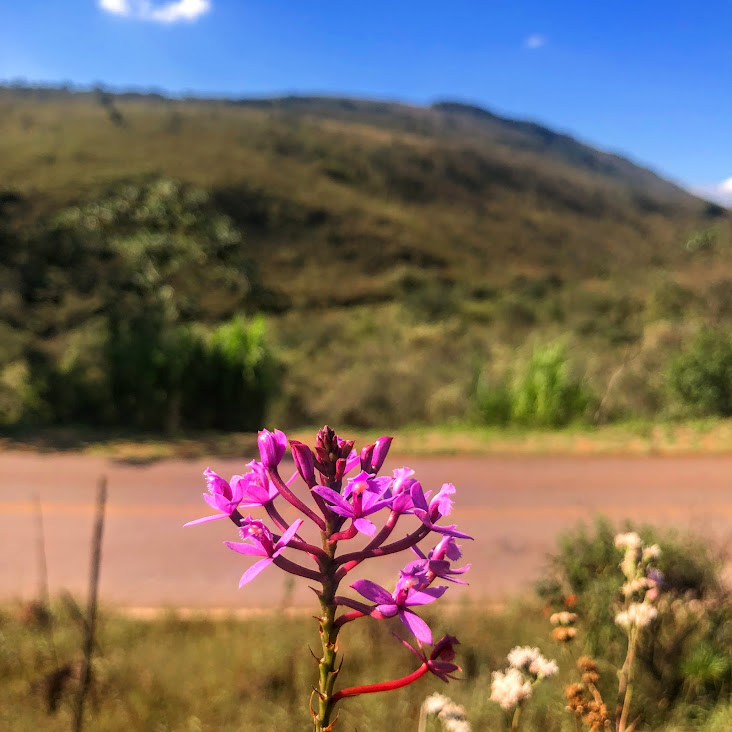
(96, 560)
(43, 594)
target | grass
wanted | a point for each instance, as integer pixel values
(709, 436)
(196, 674)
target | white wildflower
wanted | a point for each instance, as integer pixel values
(435, 703)
(523, 656)
(637, 585)
(651, 552)
(563, 618)
(456, 725)
(631, 540)
(451, 712)
(639, 614)
(629, 565)
(509, 689)
(543, 668)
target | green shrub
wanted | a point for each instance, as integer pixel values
(543, 394)
(154, 375)
(685, 661)
(701, 377)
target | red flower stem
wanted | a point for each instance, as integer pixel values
(349, 533)
(348, 617)
(236, 517)
(362, 607)
(294, 568)
(383, 686)
(291, 498)
(296, 542)
(383, 535)
(349, 561)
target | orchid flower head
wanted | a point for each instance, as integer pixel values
(259, 542)
(272, 447)
(222, 496)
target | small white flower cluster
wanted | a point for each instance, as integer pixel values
(509, 689)
(525, 658)
(563, 618)
(451, 715)
(638, 614)
(631, 540)
(639, 590)
(526, 665)
(640, 584)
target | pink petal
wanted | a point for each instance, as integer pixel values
(388, 610)
(416, 626)
(335, 498)
(427, 596)
(246, 548)
(205, 519)
(371, 591)
(254, 570)
(365, 526)
(287, 536)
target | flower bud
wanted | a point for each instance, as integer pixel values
(381, 448)
(272, 447)
(304, 461)
(366, 458)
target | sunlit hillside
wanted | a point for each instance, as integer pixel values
(403, 256)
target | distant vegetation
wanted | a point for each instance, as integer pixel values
(191, 264)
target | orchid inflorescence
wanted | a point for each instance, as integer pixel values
(343, 510)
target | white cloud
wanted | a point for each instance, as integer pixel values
(534, 41)
(717, 192)
(167, 12)
(116, 7)
(181, 10)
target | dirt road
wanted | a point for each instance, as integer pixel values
(514, 507)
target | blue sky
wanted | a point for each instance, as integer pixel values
(652, 80)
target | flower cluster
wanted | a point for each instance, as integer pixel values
(584, 700)
(451, 716)
(527, 666)
(642, 581)
(341, 508)
(564, 622)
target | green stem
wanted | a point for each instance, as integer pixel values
(625, 690)
(516, 717)
(327, 671)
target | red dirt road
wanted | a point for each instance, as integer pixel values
(514, 507)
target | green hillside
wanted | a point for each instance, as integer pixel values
(404, 257)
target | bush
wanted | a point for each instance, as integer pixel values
(685, 662)
(545, 394)
(701, 377)
(153, 375)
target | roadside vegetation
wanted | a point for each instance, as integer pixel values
(195, 672)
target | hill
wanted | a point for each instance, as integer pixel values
(398, 247)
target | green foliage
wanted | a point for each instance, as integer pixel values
(543, 394)
(701, 376)
(117, 293)
(684, 661)
(152, 375)
(325, 213)
(703, 241)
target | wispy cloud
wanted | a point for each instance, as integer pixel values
(116, 7)
(166, 12)
(534, 41)
(718, 192)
